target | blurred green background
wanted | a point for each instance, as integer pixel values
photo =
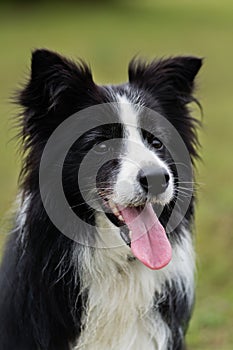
(107, 34)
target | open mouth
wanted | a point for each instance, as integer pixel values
(141, 230)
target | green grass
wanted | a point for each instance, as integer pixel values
(108, 37)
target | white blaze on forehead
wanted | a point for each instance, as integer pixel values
(134, 145)
(129, 117)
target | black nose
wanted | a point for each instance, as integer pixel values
(154, 181)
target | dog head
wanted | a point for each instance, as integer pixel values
(130, 173)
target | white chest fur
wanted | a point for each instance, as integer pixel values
(119, 313)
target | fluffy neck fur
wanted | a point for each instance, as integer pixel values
(122, 309)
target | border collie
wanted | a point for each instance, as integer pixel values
(120, 277)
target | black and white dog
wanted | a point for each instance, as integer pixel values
(126, 280)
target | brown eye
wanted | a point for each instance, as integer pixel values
(157, 144)
(101, 148)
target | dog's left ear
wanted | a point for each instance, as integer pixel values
(166, 78)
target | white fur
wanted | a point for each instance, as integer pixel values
(22, 205)
(121, 293)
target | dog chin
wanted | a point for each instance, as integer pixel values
(164, 198)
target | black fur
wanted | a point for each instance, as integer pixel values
(40, 308)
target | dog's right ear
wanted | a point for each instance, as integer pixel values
(56, 89)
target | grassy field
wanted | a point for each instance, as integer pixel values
(108, 37)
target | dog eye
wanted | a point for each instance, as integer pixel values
(101, 148)
(157, 144)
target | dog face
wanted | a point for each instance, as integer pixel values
(134, 178)
(130, 149)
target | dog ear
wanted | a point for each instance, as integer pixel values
(166, 78)
(43, 60)
(56, 89)
(170, 83)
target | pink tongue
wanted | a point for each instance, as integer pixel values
(149, 242)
